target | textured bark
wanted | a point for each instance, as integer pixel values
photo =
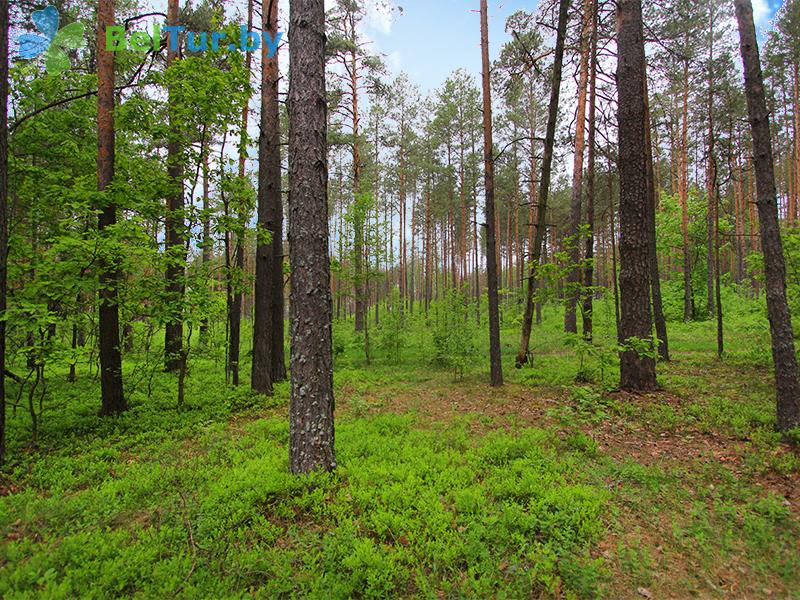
(311, 428)
(637, 372)
(711, 173)
(783, 352)
(655, 278)
(588, 274)
(4, 31)
(683, 195)
(612, 220)
(544, 183)
(113, 398)
(491, 241)
(574, 276)
(174, 243)
(269, 195)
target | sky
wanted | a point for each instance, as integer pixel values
(432, 38)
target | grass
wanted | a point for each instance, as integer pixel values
(445, 488)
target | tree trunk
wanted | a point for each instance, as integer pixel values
(574, 275)
(208, 243)
(544, 183)
(491, 242)
(174, 243)
(637, 371)
(4, 32)
(311, 428)
(588, 275)
(113, 398)
(269, 197)
(780, 321)
(655, 279)
(683, 194)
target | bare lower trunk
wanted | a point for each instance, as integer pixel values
(637, 370)
(4, 31)
(311, 429)
(491, 242)
(780, 321)
(588, 275)
(108, 321)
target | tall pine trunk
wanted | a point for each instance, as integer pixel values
(4, 31)
(637, 370)
(311, 429)
(174, 243)
(588, 275)
(780, 321)
(269, 197)
(495, 360)
(574, 275)
(113, 398)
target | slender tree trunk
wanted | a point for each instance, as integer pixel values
(174, 243)
(655, 278)
(358, 221)
(588, 275)
(108, 321)
(208, 243)
(236, 277)
(311, 428)
(711, 173)
(683, 193)
(544, 183)
(574, 275)
(269, 197)
(612, 220)
(780, 320)
(4, 32)
(491, 242)
(637, 371)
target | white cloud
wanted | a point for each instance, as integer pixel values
(380, 15)
(761, 11)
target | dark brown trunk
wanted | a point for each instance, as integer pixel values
(637, 371)
(174, 243)
(311, 428)
(269, 196)
(4, 32)
(544, 183)
(113, 398)
(574, 275)
(655, 278)
(588, 275)
(780, 321)
(491, 243)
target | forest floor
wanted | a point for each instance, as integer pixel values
(446, 487)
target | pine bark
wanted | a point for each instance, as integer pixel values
(4, 32)
(113, 397)
(783, 352)
(269, 219)
(174, 244)
(574, 275)
(637, 371)
(491, 241)
(588, 274)
(311, 427)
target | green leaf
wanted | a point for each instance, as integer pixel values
(70, 36)
(56, 61)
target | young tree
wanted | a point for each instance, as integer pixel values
(783, 351)
(491, 241)
(174, 243)
(637, 368)
(268, 318)
(113, 398)
(311, 429)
